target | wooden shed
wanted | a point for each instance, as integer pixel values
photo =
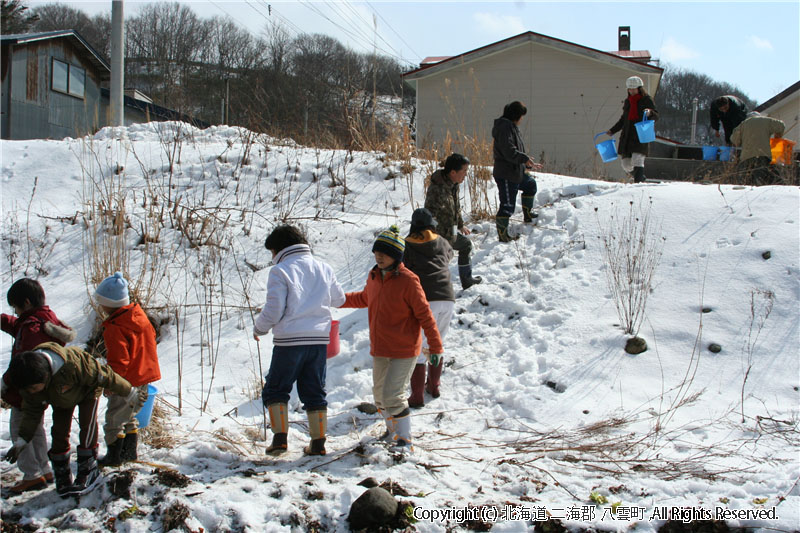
(572, 93)
(50, 86)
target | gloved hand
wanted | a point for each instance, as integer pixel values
(133, 396)
(14, 451)
(142, 395)
(435, 359)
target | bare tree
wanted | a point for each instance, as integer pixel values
(96, 30)
(13, 16)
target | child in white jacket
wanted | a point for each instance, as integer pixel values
(300, 292)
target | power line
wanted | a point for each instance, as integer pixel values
(419, 57)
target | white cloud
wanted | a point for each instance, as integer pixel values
(758, 42)
(673, 51)
(494, 24)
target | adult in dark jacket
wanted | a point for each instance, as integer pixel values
(631, 151)
(441, 199)
(729, 110)
(428, 256)
(510, 165)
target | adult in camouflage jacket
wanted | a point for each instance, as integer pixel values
(443, 202)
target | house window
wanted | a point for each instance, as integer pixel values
(68, 78)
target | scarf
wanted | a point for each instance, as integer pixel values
(633, 110)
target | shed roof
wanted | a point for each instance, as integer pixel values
(441, 63)
(92, 55)
(778, 97)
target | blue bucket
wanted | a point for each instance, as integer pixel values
(725, 153)
(646, 130)
(607, 149)
(710, 153)
(144, 414)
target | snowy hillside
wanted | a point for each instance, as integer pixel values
(542, 412)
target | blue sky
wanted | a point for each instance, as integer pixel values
(753, 45)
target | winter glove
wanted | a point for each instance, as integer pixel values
(435, 359)
(14, 451)
(142, 395)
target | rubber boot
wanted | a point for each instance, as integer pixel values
(417, 398)
(465, 273)
(130, 447)
(317, 428)
(638, 174)
(113, 456)
(279, 422)
(390, 424)
(61, 473)
(527, 209)
(434, 377)
(87, 470)
(402, 431)
(502, 228)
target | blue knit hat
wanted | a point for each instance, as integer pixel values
(113, 291)
(390, 242)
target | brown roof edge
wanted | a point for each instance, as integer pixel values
(529, 33)
(778, 97)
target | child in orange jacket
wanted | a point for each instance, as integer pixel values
(130, 342)
(398, 311)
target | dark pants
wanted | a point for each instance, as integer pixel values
(62, 426)
(306, 365)
(463, 246)
(507, 192)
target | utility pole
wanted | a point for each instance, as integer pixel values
(694, 118)
(117, 89)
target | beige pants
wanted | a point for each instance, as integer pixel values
(635, 160)
(390, 381)
(121, 415)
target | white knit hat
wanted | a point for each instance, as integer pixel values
(633, 82)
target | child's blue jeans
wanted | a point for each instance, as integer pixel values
(306, 365)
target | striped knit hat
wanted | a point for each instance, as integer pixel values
(390, 242)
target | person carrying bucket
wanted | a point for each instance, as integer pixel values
(130, 342)
(300, 292)
(631, 150)
(754, 135)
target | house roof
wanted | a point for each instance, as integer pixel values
(89, 53)
(778, 97)
(155, 110)
(441, 63)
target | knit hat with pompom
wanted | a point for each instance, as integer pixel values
(390, 242)
(113, 291)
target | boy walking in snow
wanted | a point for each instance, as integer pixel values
(130, 342)
(428, 256)
(300, 292)
(398, 311)
(63, 378)
(34, 324)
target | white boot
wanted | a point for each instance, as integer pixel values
(390, 425)
(402, 432)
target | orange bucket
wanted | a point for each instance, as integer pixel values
(781, 150)
(333, 345)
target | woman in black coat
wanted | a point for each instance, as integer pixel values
(631, 151)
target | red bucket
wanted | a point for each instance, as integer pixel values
(333, 345)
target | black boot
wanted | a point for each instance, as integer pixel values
(61, 473)
(527, 209)
(502, 229)
(113, 455)
(129, 447)
(465, 273)
(638, 174)
(87, 471)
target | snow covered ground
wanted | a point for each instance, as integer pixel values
(542, 411)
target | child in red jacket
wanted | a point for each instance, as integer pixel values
(398, 312)
(131, 352)
(34, 324)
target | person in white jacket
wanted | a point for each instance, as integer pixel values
(300, 292)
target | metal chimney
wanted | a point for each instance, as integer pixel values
(624, 38)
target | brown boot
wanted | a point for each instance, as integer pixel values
(434, 377)
(417, 398)
(279, 422)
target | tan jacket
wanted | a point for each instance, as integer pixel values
(753, 136)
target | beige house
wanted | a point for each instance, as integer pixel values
(572, 93)
(785, 106)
